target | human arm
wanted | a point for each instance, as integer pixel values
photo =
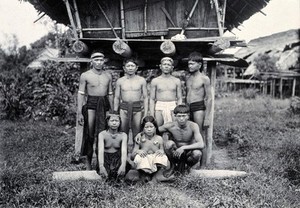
(197, 141)
(145, 97)
(136, 149)
(152, 98)
(178, 92)
(160, 151)
(117, 96)
(208, 99)
(121, 170)
(110, 92)
(81, 98)
(102, 169)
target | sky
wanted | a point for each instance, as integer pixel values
(18, 18)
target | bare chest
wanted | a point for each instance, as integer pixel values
(97, 80)
(131, 85)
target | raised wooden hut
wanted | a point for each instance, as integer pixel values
(150, 29)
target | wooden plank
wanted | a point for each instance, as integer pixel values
(76, 175)
(217, 173)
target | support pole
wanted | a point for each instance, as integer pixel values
(294, 87)
(219, 20)
(122, 18)
(71, 18)
(212, 68)
(280, 88)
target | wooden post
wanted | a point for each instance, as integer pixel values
(273, 82)
(209, 139)
(77, 19)
(294, 87)
(280, 88)
(272, 88)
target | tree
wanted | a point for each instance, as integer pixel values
(265, 63)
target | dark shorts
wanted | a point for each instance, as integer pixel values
(92, 102)
(197, 106)
(131, 107)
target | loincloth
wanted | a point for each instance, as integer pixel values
(197, 106)
(166, 108)
(131, 107)
(112, 163)
(149, 163)
(101, 105)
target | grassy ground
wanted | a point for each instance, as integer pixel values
(259, 136)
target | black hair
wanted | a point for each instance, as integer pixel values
(197, 57)
(150, 119)
(107, 120)
(182, 108)
(130, 60)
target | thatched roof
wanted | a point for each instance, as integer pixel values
(46, 54)
(283, 46)
(237, 11)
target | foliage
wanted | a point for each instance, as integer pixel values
(265, 63)
(44, 94)
(47, 93)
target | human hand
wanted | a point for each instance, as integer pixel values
(121, 170)
(80, 119)
(178, 152)
(206, 123)
(141, 153)
(159, 153)
(102, 171)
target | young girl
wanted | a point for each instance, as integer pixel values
(112, 147)
(148, 152)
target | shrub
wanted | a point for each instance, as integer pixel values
(44, 94)
(295, 105)
(249, 93)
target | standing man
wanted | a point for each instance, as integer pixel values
(131, 99)
(184, 147)
(95, 85)
(199, 94)
(165, 93)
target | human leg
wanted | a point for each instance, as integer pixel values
(159, 117)
(193, 157)
(199, 119)
(91, 139)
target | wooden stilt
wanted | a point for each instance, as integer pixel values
(294, 87)
(122, 19)
(209, 140)
(280, 88)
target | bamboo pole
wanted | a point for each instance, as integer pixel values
(122, 18)
(77, 19)
(219, 21)
(224, 13)
(71, 18)
(145, 17)
(190, 16)
(107, 19)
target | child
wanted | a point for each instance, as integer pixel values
(112, 146)
(148, 152)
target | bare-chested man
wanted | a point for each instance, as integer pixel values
(112, 146)
(184, 148)
(165, 93)
(199, 94)
(96, 85)
(131, 98)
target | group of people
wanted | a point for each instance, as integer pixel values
(168, 135)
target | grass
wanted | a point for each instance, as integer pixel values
(260, 135)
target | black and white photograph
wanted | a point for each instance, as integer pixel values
(150, 103)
